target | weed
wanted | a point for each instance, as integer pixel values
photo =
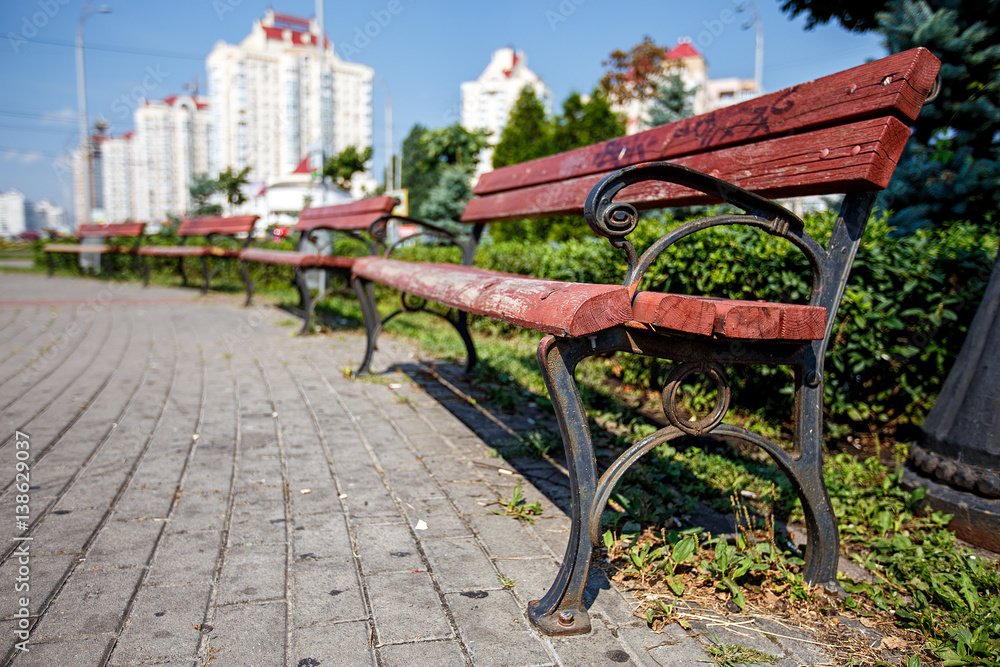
(733, 655)
(506, 581)
(519, 508)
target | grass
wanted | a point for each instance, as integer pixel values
(732, 655)
(519, 508)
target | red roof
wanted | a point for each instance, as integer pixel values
(304, 167)
(291, 20)
(278, 35)
(682, 50)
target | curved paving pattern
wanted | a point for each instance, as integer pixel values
(208, 488)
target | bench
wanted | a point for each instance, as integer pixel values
(210, 229)
(315, 253)
(841, 134)
(96, 240)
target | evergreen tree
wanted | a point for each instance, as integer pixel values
(672, 101)
(230, 184)
(951, 165)
(202, 188)
(451, 155)
(585, 123)
(528, 133)
(417, 178)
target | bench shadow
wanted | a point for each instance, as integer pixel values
(526, 418)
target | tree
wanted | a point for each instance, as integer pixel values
(202, 188)
(585, 122)
(230, 184)
(635, 74)
(417, 178)
(951, 165)
(527, 134)
(341, 167)
(672, 101)
(455, 145)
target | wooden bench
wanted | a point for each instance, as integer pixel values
(96, 240)
(841, 134)
(316, 253)
(210, 229)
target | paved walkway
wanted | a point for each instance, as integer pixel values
(207, 487)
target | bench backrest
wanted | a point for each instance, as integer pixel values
(240, 224)
(840, 133)
(356, 215)
(122, 230)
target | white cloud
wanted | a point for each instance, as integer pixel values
(28, 157)
(63, 115)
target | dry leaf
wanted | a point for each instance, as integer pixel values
(893, 643)
(868, 622)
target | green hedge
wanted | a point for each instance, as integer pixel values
(906, 309)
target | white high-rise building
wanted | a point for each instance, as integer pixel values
(13, 214)
(169, 146)
(116, 180)
(271, 105)
(487, 101)
(51, 217)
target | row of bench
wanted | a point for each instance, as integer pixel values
(841, 134)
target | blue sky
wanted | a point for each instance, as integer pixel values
(421, 54)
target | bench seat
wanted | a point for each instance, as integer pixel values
(295, 258)
(559, 308)
(577, 309)
(186, 251)
(77, 248)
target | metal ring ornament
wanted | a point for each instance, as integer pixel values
(673, 385)
(379, 230)
(412, 303)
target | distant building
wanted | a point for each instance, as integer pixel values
(51, 217)
(116, 177)
(487, 101)
(13, 214)
(274, 100)
(170, 145)
(708, 94)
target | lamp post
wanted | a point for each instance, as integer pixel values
(957, 456)
(81, 99)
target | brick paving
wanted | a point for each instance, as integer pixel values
(206, 487)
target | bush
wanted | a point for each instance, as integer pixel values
(906, 308)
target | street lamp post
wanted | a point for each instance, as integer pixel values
(81, 99)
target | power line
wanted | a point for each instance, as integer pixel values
(22, 152)
(37, 116)
(119, 49)
(50, 130)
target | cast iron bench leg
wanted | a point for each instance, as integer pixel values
(373, 324)
(180, 269)
(51, 262)
(205, 274)
(247, 281)
(305, 299)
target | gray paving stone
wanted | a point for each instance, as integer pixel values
(337, 644)
(91, 602)
(672, 648)
(253, 573)
(438, 516)
(507, 536)
(387, 548)
(439, 653)
(65, 531)
(459, 564)
(186, 557)
(598, 649)
(89, 651)
(495, 630)
(326, 591)
(406, 608)
(145, 501)
(258, 523)
(248, 634)
(165, 623)
(46, 572)
(197, 511)
(124, 543)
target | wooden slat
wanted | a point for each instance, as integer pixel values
(293, 258)
(80, 248)
(124, 230)
(858, 156)
(550, 306)
(175, 250)
(726, 318)
(358, 221)
(241, 224)
(372, 205)
(896, 86)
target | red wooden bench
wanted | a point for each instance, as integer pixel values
(211, 229)
(97, 240)
(838, 134)
(342, 220)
